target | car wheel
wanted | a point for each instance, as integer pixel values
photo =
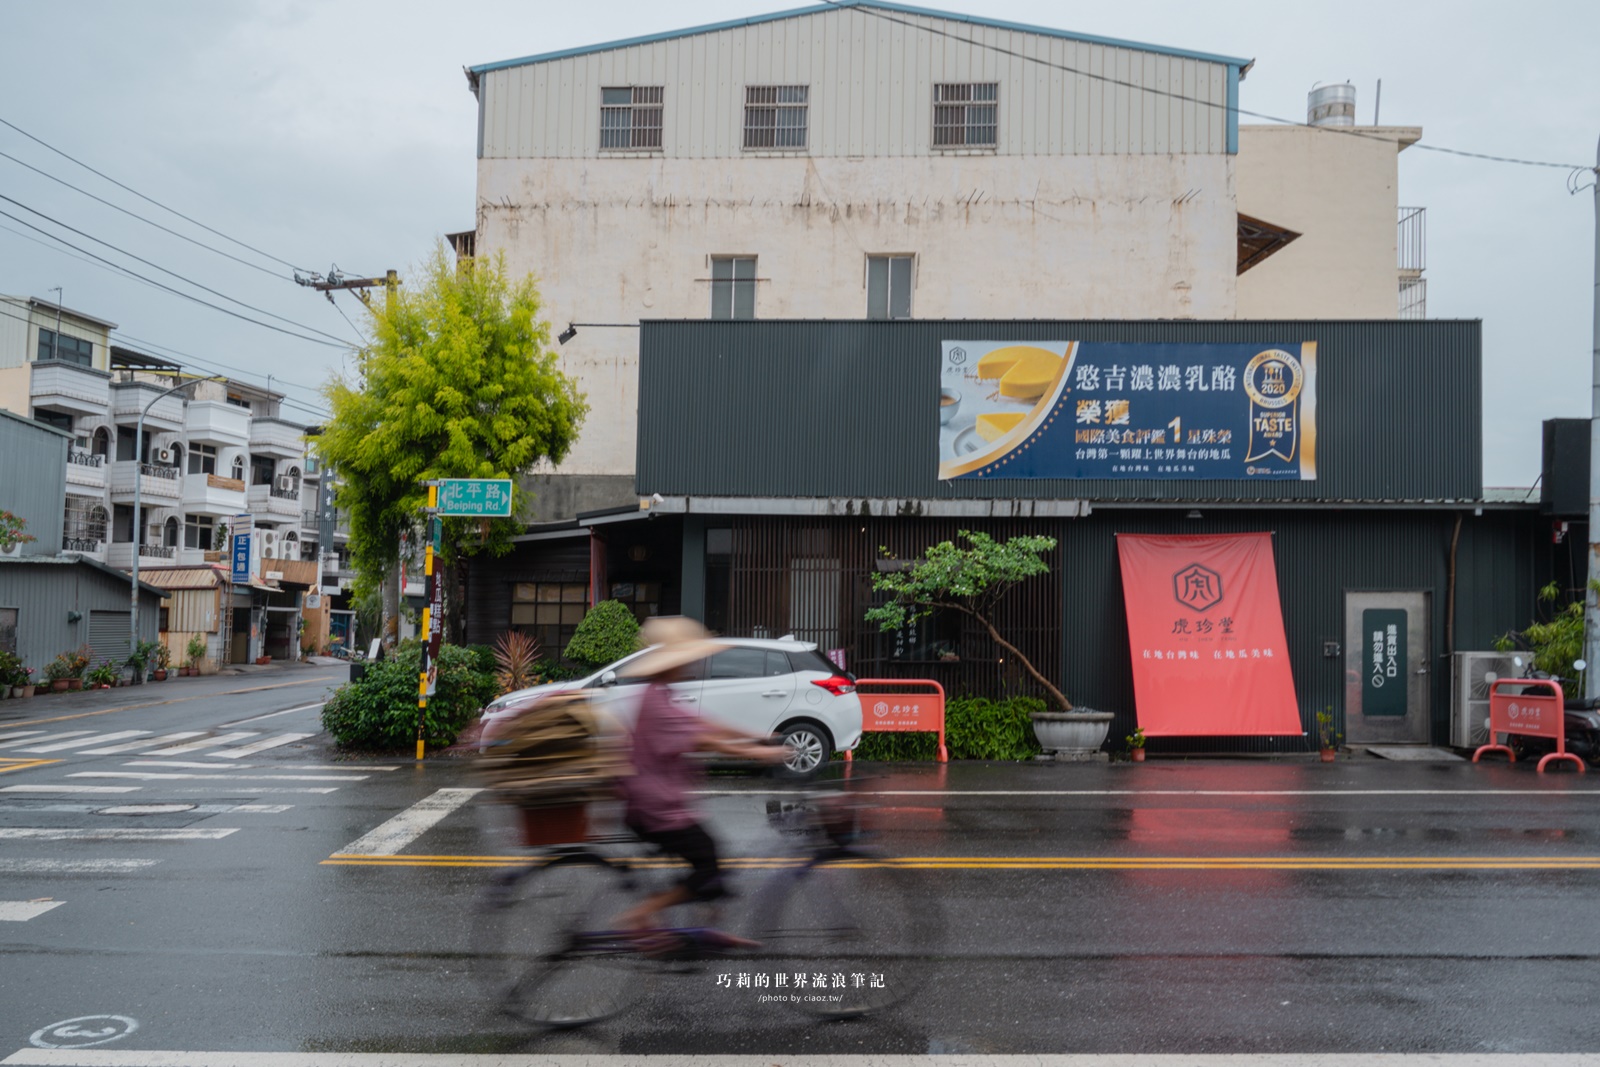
(808, 748)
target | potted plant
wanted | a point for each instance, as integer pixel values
(22, 682)
(972, 580)
(10, 671)
(104, 676)
(79, 661)
(139, 659)
(163, 656)
(196, 651)
(58, 672)
(1136, 745)
(1327, 739)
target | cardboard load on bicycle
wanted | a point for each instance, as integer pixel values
(555, 754)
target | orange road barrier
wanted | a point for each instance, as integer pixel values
(902, 705)
(1530, 714)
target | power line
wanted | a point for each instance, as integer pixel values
(146, 221)
(170, 289)
(164, 270)
(353, 326)
(142, 196)
(1346, 130)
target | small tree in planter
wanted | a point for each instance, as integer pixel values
(607, 633)
(972, 579)
(163, 657)
(196, 652)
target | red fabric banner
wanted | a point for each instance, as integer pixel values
(1206, 631)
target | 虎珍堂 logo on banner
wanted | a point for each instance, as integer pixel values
(1197, 587)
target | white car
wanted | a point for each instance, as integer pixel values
(784, 687)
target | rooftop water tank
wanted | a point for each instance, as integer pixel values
(1332, 105)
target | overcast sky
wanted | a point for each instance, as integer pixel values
(343, 133)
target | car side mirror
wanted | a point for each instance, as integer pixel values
(608, 679)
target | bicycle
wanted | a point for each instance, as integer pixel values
(840, 913)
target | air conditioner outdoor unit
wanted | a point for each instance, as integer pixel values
(13, 550)
(163, 455)
(1470, 676)
(285, 483)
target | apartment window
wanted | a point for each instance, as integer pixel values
(889, 287)
(262, 468)
(59, 419)
(122, 523)
(202, 460)
(85, 524)
(630, 117)
(965, 115)
(238, 401)
(198, 530)
(733, 287)
(238, 468)
(775, 116)
(549, 611)
(67, 349)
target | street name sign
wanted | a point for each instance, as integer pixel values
(487, 498)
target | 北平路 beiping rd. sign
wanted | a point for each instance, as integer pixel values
(484, 498)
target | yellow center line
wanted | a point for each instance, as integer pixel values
(157, 703)
(23, 764)
(1024, 863)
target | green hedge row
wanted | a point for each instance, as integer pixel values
(379, 712)
(975, 728)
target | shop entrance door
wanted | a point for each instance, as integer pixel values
(1388, 684)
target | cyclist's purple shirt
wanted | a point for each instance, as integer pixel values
(658, 789)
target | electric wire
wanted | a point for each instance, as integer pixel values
(1349, 131)
(190, 281)
(176, 292)
(147, 221)
(364, 339)
(37, 140)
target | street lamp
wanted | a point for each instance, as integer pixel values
(138, 479)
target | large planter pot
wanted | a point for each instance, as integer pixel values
(22, 692)
(1071, 735)
(74, 683)
(159, 674)
(59, 685)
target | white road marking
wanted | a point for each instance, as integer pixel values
(70, 788)
(20, 911)
(323, 766)
(395, 834)
(83, 1031)
(256, 790)
(9, 866)
(197, 766)
(67, 1057)
(161, 809)
(273, 714)
(204, 742)
(157, 777)
(114, 833)
(260, 746)
(133, 745)
(46, 737)
(80, 742)
(12, 735)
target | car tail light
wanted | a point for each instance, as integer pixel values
(838, 685)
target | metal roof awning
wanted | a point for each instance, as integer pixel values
(174, 578)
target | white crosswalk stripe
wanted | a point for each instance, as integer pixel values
(59, 788)
(46, 737)
(12, 735)
(156, 776)
(260, 746)
(20, 911)
(61, 746)
(204, 742)
(114, 833)
(133, 746)
(57, 866)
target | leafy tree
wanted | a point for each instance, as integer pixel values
(607, 633)
(12, 533)
(1554, 644)
(971, 580)
(459, 381)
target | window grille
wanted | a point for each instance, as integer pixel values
(630, 117)
(85, 522)
(889, 287)
(549, 611)
(775, 115)
(966, 115)
(733, 287)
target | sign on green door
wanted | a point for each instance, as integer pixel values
(1384, 675)
(485, 498)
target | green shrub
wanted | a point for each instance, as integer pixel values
(379, 712)
(553, 670)
(975, 728)
(607, 633)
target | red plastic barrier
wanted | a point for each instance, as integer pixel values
(1529, 714)
(895, 707)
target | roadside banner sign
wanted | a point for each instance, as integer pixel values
(1534, 707)
(239, 551)
(485, 498)
(1205, 630)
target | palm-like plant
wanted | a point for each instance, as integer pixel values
(514, 656)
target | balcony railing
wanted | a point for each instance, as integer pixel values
(1412, 239)
(85, 459)
(158, 470)
(80, 544)
(283, 494)
(157, 552)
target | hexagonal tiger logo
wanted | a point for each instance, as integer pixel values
(1197, 587)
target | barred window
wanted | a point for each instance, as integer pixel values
(630, 117)
(733, 287)
(966, 115)
(889, 287)
(549, 612)
(775, 116)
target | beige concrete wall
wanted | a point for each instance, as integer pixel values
(1340, 192)
(15, 383)
(1112, 237)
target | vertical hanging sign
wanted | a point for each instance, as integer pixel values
(1384, 675)
(1205, 628)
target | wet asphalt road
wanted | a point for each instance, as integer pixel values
(1206, 906)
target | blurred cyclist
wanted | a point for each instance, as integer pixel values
(659, 807)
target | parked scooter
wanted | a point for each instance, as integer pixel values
(1581, 716)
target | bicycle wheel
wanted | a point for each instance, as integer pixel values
(540, 942)
(846, 921)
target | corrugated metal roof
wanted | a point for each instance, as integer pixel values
(206, 577)
(70, 560)
(903, 9)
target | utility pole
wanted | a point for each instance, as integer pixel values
(1591, 599)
